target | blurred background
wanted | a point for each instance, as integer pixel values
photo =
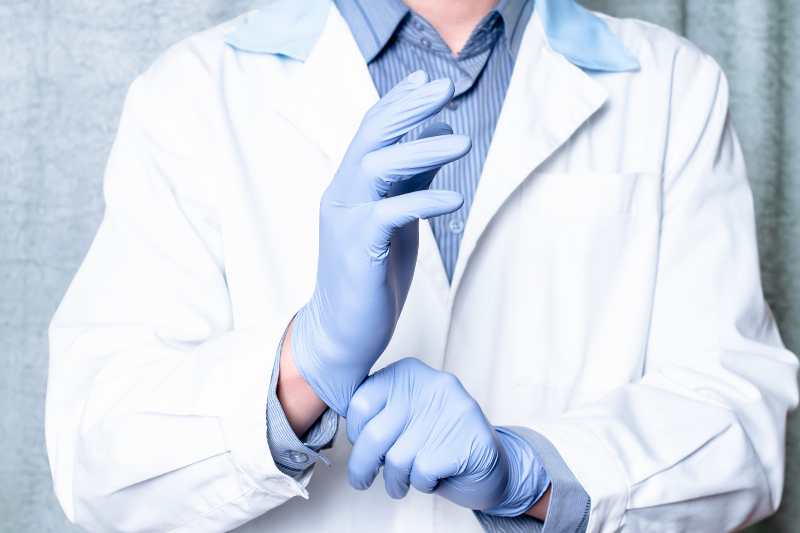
(65, 68)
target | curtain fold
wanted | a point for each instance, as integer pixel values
(64, 71)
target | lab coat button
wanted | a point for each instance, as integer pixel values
(455, 226)
(298, 457)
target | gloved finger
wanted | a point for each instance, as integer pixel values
(483, 488)
(398, 463)
(375, 439)
(396, 118)
(423, 180)
(430, 468)
(393, 213)
(436, 129)
(411, 110)
(380, 169)
(369, 399)
(412, 81)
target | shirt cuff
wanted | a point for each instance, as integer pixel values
(569, 507)
(291, 455)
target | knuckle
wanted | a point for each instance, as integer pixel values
(486, 440)
(358, 409)
(380, 211)
(393, 461)
(470, 407)
(413, 364)
(448, 380)
(373, 435)
(425, 467)
(370, 165)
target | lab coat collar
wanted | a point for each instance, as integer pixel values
(548, 99)
(284, 27)
(293, 27)
(329, 94)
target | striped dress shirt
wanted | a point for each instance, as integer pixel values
(396, 41)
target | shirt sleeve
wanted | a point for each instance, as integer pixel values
(291, 455)
(568, 510)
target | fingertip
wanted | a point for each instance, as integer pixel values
(359, 482)
(449, 202)
(445, 85)
(419, 77)
(395, 492)
(432, 96)
(463, 141)
(436, 129)
(396, 483)
(453, 198)
(450, 147)
(360, 474)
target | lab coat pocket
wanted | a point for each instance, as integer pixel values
(588, 256)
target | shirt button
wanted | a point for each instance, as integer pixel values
(455, 226)
(298, 457)
(452, 105)
(420, 26)
(426, 43)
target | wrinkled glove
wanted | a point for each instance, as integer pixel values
(427, 431)
(368, 243)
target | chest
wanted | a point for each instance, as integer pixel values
(556, 271)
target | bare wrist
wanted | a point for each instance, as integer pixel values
(539, 509)
(300, 403)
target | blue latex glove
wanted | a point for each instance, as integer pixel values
(432, 434)
(421, 181)
(368, 243)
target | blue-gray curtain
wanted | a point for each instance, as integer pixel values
(64, 71)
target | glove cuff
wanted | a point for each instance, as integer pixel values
(308, 364)
(528, 480)
(333, 379)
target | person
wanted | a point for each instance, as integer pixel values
(566, 325)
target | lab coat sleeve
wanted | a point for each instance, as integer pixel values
(698, 443)
(568, 509)
(155, 415)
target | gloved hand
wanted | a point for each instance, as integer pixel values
(432, 434)
(366, 255)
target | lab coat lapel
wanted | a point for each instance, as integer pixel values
(329, 94)
(547, 101)
(327, 99)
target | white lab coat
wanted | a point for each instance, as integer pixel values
(607, 295)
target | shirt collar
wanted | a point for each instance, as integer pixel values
(374, 22)
(516, 14)
(292, 27)
(472, 58)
